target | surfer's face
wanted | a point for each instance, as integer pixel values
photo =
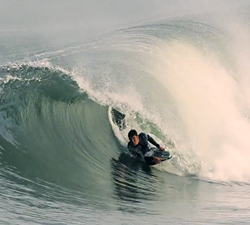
(135, 139)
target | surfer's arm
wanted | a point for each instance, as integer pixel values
(152, 141)
(129, 147)
(134, 152)
(131, 150)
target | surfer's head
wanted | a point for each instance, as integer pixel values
(133, 137)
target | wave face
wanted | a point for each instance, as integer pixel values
(52, 130)
(184, 80)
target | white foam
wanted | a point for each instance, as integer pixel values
(206, 95)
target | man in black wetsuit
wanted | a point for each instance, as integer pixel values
(138, 145)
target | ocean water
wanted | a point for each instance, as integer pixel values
(177, 70)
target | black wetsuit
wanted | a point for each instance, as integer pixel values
(143, 147)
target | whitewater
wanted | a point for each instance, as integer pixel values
(178, 72)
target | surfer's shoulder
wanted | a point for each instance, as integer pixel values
(143, 135)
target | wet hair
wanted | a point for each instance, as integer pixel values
(132, 133)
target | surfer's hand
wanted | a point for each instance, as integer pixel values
(157, 160)
(162, 148)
